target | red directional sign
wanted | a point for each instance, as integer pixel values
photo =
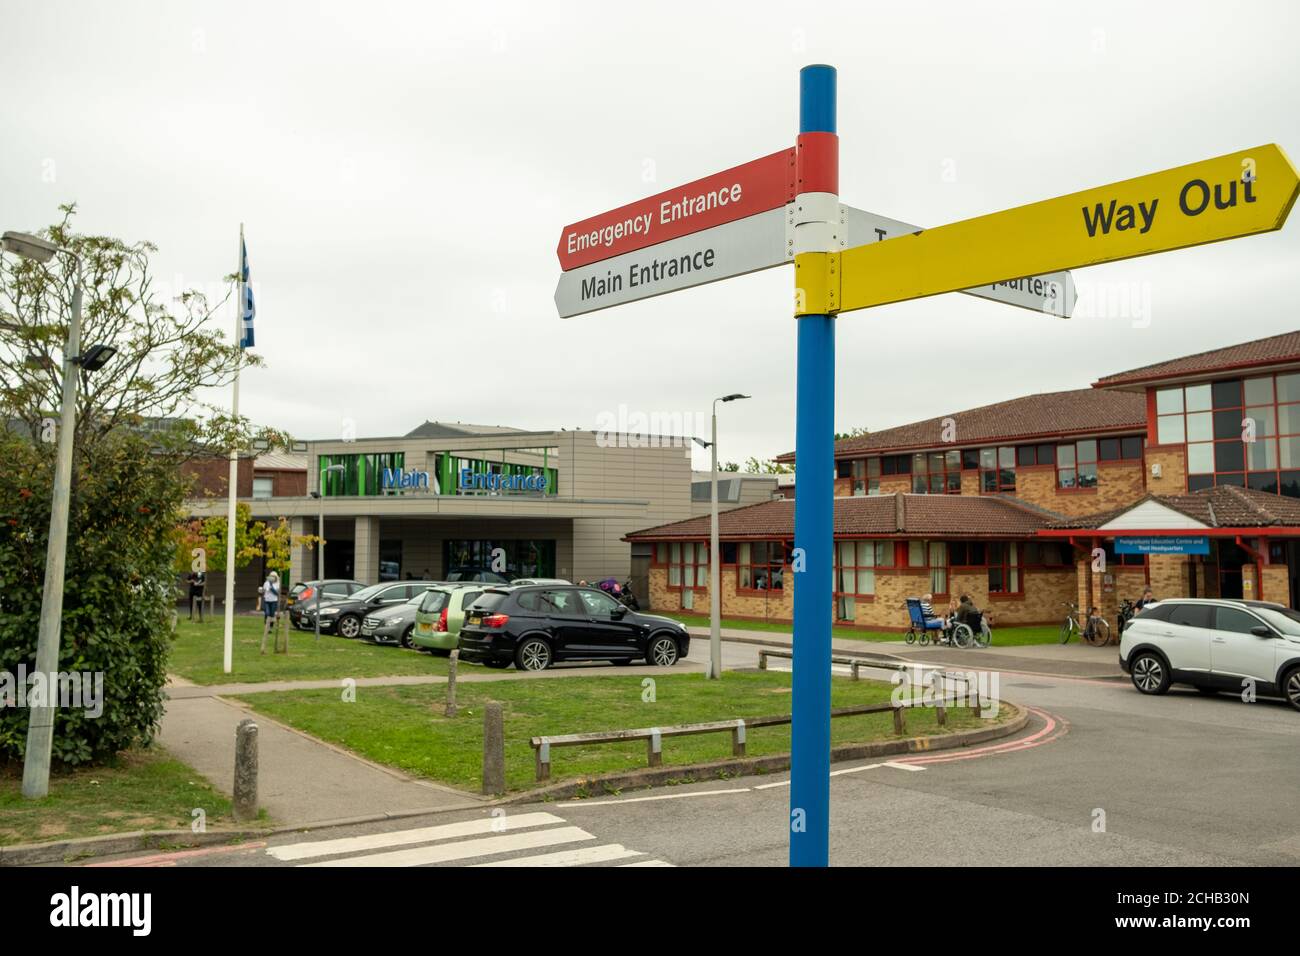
(723, 197)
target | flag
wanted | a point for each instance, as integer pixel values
(249, 309)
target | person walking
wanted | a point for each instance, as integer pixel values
(270, 592)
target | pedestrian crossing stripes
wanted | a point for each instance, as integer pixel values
(502, 840)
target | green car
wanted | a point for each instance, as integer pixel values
(440, 615)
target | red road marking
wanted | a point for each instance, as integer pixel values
(1053, 728)
(169, 859)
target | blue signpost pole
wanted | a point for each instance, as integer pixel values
(814, 542)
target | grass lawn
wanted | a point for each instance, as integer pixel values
(196, 656)
(141, 790)
(404, 726)
(1002, 636)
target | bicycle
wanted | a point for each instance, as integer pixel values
(1095, 630)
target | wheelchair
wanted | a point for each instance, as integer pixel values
(920, 628)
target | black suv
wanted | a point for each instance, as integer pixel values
(344, 616)
(533, 626)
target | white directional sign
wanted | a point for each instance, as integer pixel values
(1053, 294)
(732, 249)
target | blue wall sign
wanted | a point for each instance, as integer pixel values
(1163, 544)
(401, 478)
(494, 481)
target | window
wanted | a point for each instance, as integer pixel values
(559, 604)
(760, 565)
(1243, 432)
(997, 469)
(896, 465)
(1121, 560)
(599, 605)
(938, 567)
(1076, 465)
(263, 488)
(1004, 567)
(1035, 455)
(863, 472)
(855, 572)
(936, 473)
(1191, 615)
(525, 558)
(1234, 619)
(688, 563)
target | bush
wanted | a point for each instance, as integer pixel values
(117, 600)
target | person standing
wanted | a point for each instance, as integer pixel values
(270, 592)
(198, 581)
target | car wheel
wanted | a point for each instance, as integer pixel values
(1291, 687)
(405, 639)
(662, 652)
(1150, 675)
(349, 625)
(534, 654)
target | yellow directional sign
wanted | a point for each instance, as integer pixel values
(1234, 195)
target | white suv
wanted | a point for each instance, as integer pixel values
(1214, 645)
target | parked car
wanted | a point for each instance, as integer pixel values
(394, 623)
(537, 625)
(518, 581)
(1214, 644)
(440, 616)
(306, 594)
(474, 574)
(344, 617)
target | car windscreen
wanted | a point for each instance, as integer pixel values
(488, 601)
(366, 594)
(431, 601)
(1283, 619)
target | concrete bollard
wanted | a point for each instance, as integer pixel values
(452, 665)
(245, 802)
(494, 749)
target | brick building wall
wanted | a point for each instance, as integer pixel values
(1172, 460)
(211, 476)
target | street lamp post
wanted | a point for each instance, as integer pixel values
(40, 725)
(320, 527)
(715, 559)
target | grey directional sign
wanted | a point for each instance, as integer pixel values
(1051, 294)
(732, 249)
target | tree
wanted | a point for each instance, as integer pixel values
(273, 544)
(768, 466)
(852, 433)
(137, 421)
(729, 466)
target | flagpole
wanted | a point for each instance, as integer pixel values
(233, 483)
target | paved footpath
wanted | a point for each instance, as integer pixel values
(301, 779)
(1056, 660)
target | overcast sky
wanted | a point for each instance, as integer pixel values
(403, 172)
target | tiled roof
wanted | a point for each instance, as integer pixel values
(897, 514)
(1029, 418)
(1225, 506)
(1273, 350)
